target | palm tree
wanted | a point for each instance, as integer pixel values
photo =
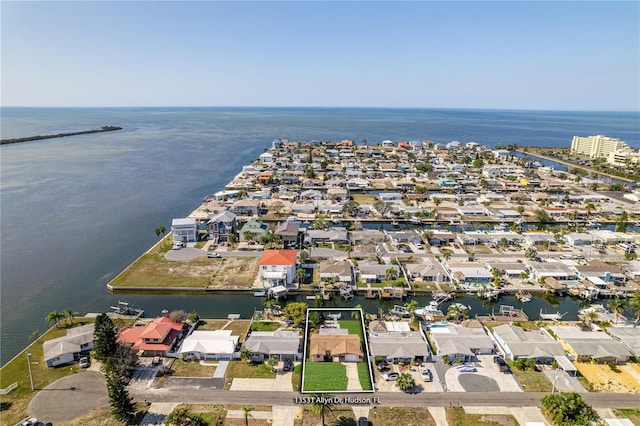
(390, 274)
(322, 403)
(54, 317)
(69, 314)
(299, 274)
(405, 382)
(245, 413)
(617, 305)
(446, 254)
(522, 275)
(246, 355)
(592, 316)
(634, 302)
(411, 306)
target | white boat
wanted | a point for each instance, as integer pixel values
(430, 311)
(278, 292)
(523, 296)
(554, 317)
(490, 294)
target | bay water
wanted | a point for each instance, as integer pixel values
(76, 211)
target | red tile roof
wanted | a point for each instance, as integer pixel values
(162, 329)
(279, 257)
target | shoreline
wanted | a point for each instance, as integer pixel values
(59, 135)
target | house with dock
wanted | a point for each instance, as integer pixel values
(277, 268)
(67, 349)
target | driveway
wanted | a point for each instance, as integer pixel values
(186, 253)
(195, 382)
(564, 382)
(282, 383)
(69, 397)
(488, 378)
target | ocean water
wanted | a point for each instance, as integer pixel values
(76, 211)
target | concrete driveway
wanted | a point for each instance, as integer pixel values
(488, 378)
(282, 382)
(69, 397)
(186, 253)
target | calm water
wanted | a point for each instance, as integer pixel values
(75, 211)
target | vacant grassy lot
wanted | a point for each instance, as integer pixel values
(14, 404)
(265, 326)
(242, 370)
(102, 417)
(405, 416)
(324, 377)
(191, 369)
(458, 417)
(525, 325)
(153, 270)
(531, 381)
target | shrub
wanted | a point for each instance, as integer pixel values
(568, 409)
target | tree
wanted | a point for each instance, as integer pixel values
(246, 355)
(446, 254)
(180, 416)
(592, 316)
(246, 410)
(104, 337)
(616, 305)
(411, 306)
(457, 311)
(296, 311)
(634, 303)
(232, 239)
(122, 405)
(621, 224)
(193, 317)
(321, 404)
(247, 235)
(390, 274)
(54, 318)
(124, 360)
(35, 335)
(405, 381)
(542, 216)
(568, 409)
(345, 421)
(299, 274)
(178, 315)
(351, 208)
(69, 315)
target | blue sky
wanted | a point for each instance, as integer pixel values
(506, 55)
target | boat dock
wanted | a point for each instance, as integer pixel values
(506, 313)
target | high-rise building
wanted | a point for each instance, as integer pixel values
(598, 146)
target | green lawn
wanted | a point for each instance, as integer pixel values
(240, 369)
(531, 381)
(458, 417)
(265, 326)
(354, 327)
(363, 375)
(324, 376)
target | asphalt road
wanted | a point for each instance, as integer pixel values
(433, 399)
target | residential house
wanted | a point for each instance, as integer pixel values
(395, 342)
(341, 271)
(334, 235)
(469, 272)
(184, 230)
(374, 272)
(222, 226)
(289, 233)
(578, 239)
(281, 345)
(155, 339)
(67, 349)
(535, 344)
(335, 347)
(558, 270)
(587, 346)
(630, 336)
(256, 228)
(278, 267)
(463, 341)
(427, 270)
(209, 344)
(246, 207)
(539, 239)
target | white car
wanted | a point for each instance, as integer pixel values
(390, 376)
(85, 362)
(426, 374)
(213, 255)
(467, 369)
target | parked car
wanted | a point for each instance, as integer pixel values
(363, 421)
(390, 376)
(177, 246)
(502, 364)
(85, 362)
(426, 374)
(383, 366)
(288, 365)
(467, 369)
(213, 255)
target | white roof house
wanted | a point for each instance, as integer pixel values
(66, 349)
(591, 345)
(184, 229)
(517, 343)
(464, 341)
(274, 344)
(210, 344)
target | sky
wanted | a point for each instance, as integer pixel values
(542, 55)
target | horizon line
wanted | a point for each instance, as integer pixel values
(321, 107)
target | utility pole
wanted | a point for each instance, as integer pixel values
(30, 374)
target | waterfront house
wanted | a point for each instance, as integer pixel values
(427, 270)
(630, 336)
(209, 345)
(463, 341)
(222, 226)
(553, 269)
(395, 342)
(184, 230)
(469, 272)
(256, 228)
(278, 267)
(155, 339)
(246, 207)
(374, 272)
(267, 158)
(586, 346)
(538, 239)
(335, 347)
(578, 239)
(334, 235)
(535, 344)
(67, 349)
(341, 271)
(281, 345)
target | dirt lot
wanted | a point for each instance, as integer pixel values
(625, 379)
(153, 270)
